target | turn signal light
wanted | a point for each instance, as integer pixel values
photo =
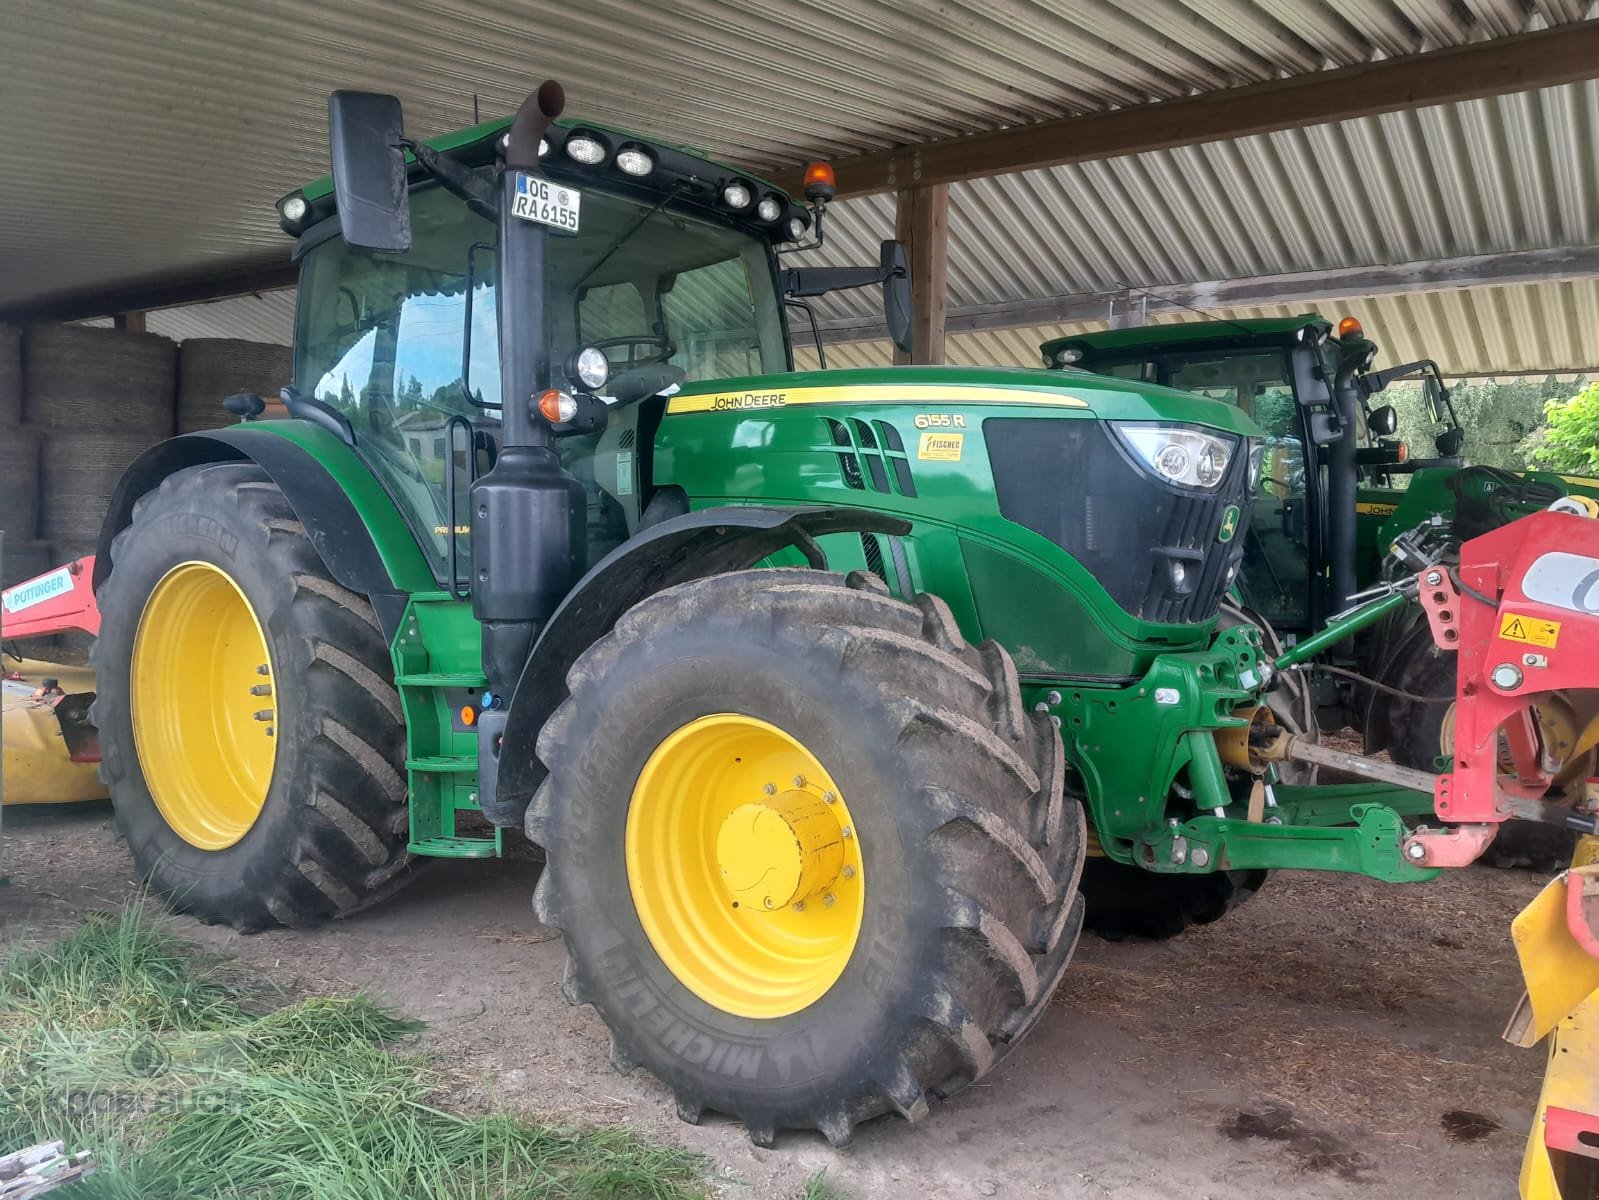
(819, 181)
(1404, 452)
(556, 406)
(1349, 327)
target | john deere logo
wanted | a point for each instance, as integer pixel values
(1229, 524)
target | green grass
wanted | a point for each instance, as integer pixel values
(820, 1187)
(123, 1040)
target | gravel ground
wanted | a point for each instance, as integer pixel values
(1336, 1037)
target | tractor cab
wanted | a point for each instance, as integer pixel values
(1327, 448)
(657, 268)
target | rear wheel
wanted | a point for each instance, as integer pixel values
(250, 730)
(811, 856)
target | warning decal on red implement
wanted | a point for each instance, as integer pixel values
(1533, 631)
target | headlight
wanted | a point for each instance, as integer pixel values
(1257, 456)
(769, 209)
(1180, 454)
(634, 161)
(796, 229)
(1068, 356)
(736, 195)
(585, 149)
(590, 367)
(294, 208)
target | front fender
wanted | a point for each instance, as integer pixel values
(350, 519)
(695, 545)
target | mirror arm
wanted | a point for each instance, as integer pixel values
(459, 181)
(818, 281)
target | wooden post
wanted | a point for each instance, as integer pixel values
(129, 322)
(921, 221)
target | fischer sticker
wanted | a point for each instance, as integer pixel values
(940, 447)
(1532, 631)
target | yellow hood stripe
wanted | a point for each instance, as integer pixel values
(918, 394)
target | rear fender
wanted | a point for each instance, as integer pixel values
(693, 546)
(355, 527)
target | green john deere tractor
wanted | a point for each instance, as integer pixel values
(1333, 520)
(806, 683)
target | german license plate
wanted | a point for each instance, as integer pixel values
(547, 203)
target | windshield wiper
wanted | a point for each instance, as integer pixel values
(622, 238)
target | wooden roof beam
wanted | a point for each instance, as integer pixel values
(1562, 54)
(1306, 287)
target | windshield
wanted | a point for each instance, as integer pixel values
(381, 337)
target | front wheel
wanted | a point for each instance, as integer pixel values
(250, 731)
(811, 855)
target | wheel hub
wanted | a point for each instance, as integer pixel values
(204, 711)
(775, 852)
(744, 867)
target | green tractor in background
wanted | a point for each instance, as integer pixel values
(1343, 507)
(808, 684)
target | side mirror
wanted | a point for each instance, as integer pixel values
(364, 133)
(1449, 442)
(1383, 421)
(897, 293)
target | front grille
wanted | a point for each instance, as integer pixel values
(1071, 481)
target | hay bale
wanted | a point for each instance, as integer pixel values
(20, 560)
(19, 482)
(77, 475)
(210, 369)
(77, 378)
(10, 374)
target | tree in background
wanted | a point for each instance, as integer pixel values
(1502, 420)
(1569, 442)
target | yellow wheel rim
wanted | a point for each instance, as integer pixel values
(744, 866)
(204, 713)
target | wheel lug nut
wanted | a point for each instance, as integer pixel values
(261, 689)
(766, 901)
(263, 714)
(770, 789)
(848, 872)
(799, 781)
(263, 669)
(799, 906)
(847, 832)
(829, 899)
(830, 797)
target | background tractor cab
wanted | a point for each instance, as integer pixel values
(1329, 457)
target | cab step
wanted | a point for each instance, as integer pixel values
(442, 763)
(457, 847)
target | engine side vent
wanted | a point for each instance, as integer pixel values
(849, 464)
(874, 555)
(871, 455)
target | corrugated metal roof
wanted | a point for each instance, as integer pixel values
(155, 137)
(1526, 329)
(1515, 172)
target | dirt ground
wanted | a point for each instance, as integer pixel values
(1336, 1038)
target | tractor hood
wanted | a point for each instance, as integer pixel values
(928, 387)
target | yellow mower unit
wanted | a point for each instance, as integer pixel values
(1557, 941)
(52, 750)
